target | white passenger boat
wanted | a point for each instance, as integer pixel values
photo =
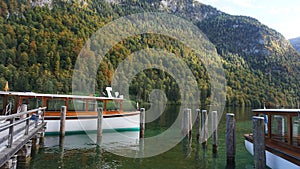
(81, 115)
(282, 137)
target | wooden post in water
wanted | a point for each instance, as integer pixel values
(142, 123)
(186, 131)
(99, 126)
(259, 142)
(24, 154)
(230, 139)
(10, 164)
(186, 128)
(204, 129)
(35, 144)
(198, 125)
(42, 137)
(214, 124)
(63, 113)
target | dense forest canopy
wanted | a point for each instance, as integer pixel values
(39, 46)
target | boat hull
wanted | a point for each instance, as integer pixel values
(273, 161)
(77, 125)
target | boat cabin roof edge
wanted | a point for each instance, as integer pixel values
(32, 94)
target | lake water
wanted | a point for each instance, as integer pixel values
(80, 152)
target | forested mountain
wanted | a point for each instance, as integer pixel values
(296, 43)
(40, 41)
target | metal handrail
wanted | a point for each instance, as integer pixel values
(21, 113)
(13, 122)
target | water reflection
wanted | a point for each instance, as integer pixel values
(81, 152)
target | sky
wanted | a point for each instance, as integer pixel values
(281, 15)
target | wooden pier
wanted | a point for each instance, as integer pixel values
(19, 134)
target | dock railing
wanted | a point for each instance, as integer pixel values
(12, 124)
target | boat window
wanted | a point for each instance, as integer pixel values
(112, 106)
(100, 103)
(279, 128)
(32, 103)
(129, 106)
(12, 102)
(55, 104)
(76, 105)
(266, 120)
(92, 105)
(296, 131)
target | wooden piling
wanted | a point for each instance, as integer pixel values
(34, 146)
(142, 123)
(204, 128)
(99, 126)
(11, 163)
(24, 155)
(230, 139)
(198, 125)
(259, 142)
(42, 137)
(214, 123)
(186, 128)
(63, 113)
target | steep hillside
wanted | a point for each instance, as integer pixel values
(40, 41)
(296, 43)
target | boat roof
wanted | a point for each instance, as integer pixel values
(41, 95)
(277, 110)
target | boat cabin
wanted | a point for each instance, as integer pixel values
(282, 133)
(282, 126)
(282, 137)
(11, 102)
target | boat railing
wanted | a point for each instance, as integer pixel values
(12, 126)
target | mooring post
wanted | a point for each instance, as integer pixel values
(259, 142)
(24, 154)
(186, 129)
(214, 123)
(230, 139)
(35, 144)
(42, 135)
(198, 125)
(142, 123)
(204, 128)
(63, 113)
(99, 126)
(10, 164)
(14, 161)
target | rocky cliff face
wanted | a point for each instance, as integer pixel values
(296, 43)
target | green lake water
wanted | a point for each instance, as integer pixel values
(84, 154)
